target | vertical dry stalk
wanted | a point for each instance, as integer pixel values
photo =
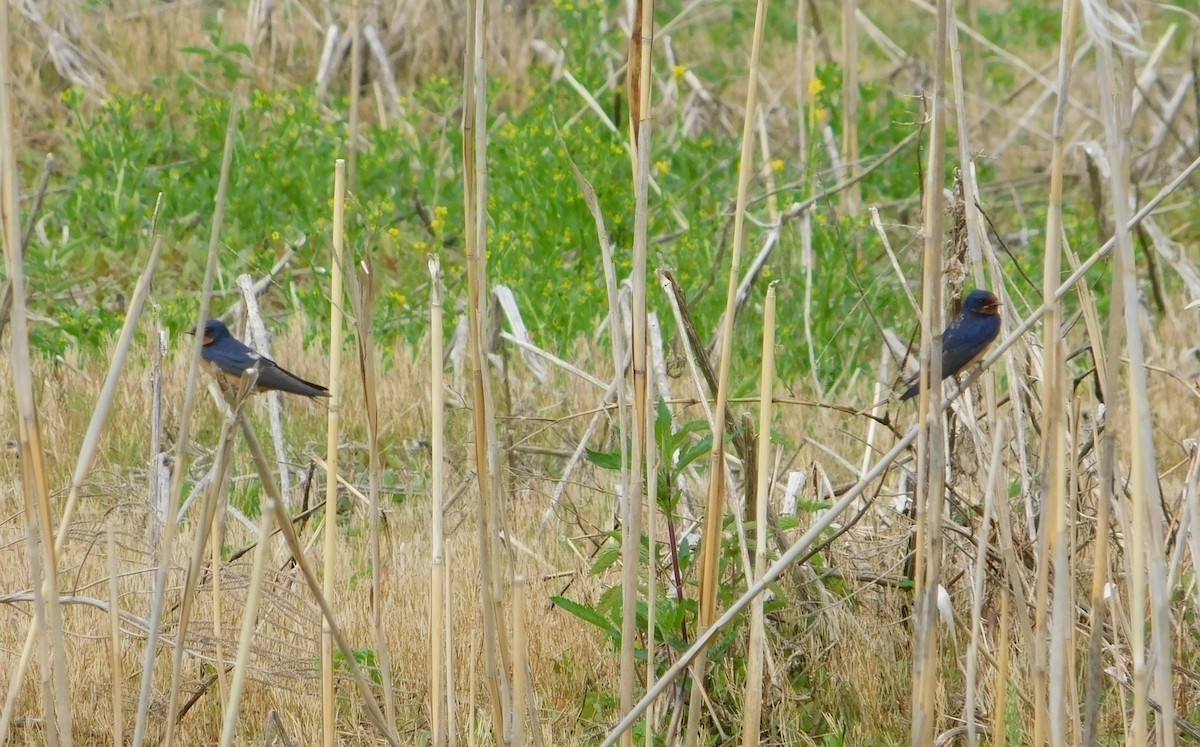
(715, 509)
(652, 396)
(34, 484)
(487, 460)
(256, 332)
(116, 674)
(851, 196)
(355, 94)
(640, 67)
(439, 615)
(1147, 577)
(249, 613)
(362, 302)
(931, 456)
(1050, 651)
(520, 663)
(91, 440)
(183, 439)
(751, 717)
(983, 532)
(332, 433)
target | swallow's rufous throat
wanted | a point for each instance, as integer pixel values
(232, 358)
(966, 337)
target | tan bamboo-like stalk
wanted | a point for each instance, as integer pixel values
(300, 559)
(1000, 711)
(751, 716)
(1147, 574)
(633, 494)
(361, 284)
(1050, 649)
(520, 663)
(355, 95)
(851, 196)
(116, 673)
(250, 615)
(91, 444)
(34, 482)
(931, 456)
(715, 508)
(487, 461)
(439, 653)
(332, 434)
(183, 439)
(651, 546)
(977, 591)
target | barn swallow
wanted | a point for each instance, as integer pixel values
(966, 337)
(232, 358)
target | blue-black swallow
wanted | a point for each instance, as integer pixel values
(966, 337)
(232, 358)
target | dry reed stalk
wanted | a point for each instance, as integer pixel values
(931, 455)
(983, 532)
(520, 646)
(116, 674)
(641, 43)
(92, 439)
(851, 196)
(786, 559)
(1147, 575)
(487, 459)
(362, 301)
(34, 482)
(440, 648)
(715, 509)
(356, 63)
(652, 386)
(183, 439)
(249, 614)
(256, 332)
(332, 435)
(751, 716)
(1050, 648)
(299, 558)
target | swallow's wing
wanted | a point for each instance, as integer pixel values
(271, 376)
(965, 340)
(231, 356)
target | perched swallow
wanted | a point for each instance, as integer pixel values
(232, 358)
(966, 337)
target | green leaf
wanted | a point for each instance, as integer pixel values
(583, 612)
(604, 459)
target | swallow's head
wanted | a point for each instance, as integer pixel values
(214, 331)
(981, 303)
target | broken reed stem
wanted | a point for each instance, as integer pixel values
(651, 541)
(851, 196)
(249, 617)
(983, 533)
(34, 482)
(1147, 576)
(520, 663)
(931, 456)
(355, 94)
(332, 434)
(633, 494)
(256, 334)
(183, 440)
(715, 509)
(299, 557)
(1050, 649)
(751, 716)
(92, 439)
(487, 461)
(116, 671)
(439, 615)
